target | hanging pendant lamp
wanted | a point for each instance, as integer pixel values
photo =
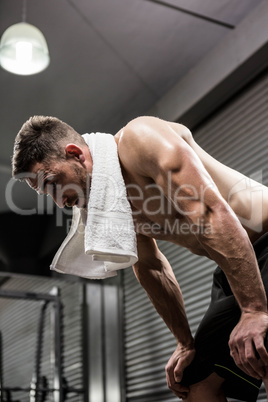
(23, 50)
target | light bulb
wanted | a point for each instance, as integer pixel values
(24, 52)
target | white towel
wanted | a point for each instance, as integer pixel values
(102, 238)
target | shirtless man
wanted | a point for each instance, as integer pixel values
(169, 178)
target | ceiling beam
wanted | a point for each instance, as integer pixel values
(193, 14)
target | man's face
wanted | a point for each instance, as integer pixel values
(67, 182)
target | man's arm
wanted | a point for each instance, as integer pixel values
(227, 243)
(159, 153)
(155, 274)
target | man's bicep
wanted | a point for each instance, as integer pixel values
(145, 147)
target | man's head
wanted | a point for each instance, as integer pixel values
(42, 139)
(53, 159)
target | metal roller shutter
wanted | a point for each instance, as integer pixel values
(237, 136)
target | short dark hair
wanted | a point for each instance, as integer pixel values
(41, 139)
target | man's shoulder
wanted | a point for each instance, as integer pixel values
(137, 136)
(142, 121)
(138, 144)
(139, 128)
(144, 128)
(148, 142)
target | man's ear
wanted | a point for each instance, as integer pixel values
(74, 151)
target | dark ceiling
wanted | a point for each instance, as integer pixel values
(111, 61)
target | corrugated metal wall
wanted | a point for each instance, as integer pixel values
(19, 321)
(237, 136)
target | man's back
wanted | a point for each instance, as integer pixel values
(247, 198)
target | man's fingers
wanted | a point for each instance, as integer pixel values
(261, 350)
(173, 380)
(174, 373)
(178, 371)
(251, 360)
(262, 356)
(245, 358)
(180, 359)
(243, 365)
(179, 390)
(247, 345)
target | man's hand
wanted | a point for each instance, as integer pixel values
(247, 344)
(180, 359)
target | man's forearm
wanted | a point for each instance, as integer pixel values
(162, 288)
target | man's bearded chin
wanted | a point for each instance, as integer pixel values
(85, 182)
(80, 197)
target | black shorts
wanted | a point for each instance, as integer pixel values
(212, 336)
